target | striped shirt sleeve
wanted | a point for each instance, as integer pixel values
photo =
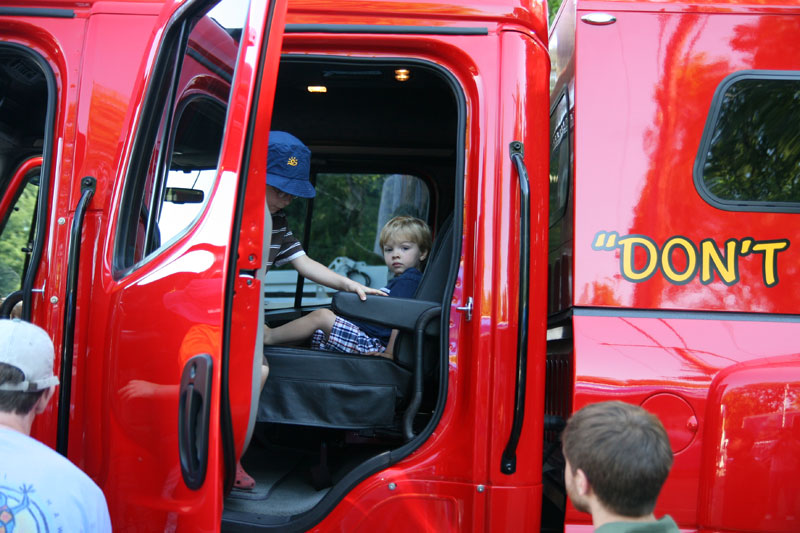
(284, 246)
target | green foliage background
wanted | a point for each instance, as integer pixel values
(755, 155)
(345, 211)
(349, 210)
(552, 8)
(14, 238)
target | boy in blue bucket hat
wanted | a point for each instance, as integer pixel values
(288, 166)
(288, 163)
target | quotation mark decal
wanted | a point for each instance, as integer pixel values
(640, 257)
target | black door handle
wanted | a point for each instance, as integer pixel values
(194, 410)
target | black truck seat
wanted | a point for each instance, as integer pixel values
(334, 390)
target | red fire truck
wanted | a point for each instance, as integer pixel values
(133, 226)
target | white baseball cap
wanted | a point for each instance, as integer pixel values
(27, 347)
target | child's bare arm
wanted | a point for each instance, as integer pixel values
(319, 273)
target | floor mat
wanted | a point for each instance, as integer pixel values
(267, 474)
(291, 481)
(283, 486)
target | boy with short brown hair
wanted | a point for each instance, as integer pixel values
(617, 457)
(406, 243)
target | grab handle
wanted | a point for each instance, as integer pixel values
(88, 185)
(508, 462)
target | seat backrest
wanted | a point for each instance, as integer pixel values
(431, 288)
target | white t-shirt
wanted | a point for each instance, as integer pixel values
(42, 491)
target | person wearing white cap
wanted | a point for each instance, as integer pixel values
(40, 490)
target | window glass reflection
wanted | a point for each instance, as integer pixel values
(754, 153)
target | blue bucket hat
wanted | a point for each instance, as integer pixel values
(288, 163)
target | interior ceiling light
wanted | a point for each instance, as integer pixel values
(317, 89)
(402, 74)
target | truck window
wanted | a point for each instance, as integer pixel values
(193, 167)
(346, 216)
(27, 107)
(16, 234)
(749, 158)
(174, 164)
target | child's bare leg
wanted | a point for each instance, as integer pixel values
(301, 329)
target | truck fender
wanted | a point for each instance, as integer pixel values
(750, 471)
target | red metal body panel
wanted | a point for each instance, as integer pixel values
(753, 434)
(636, 178)
(530, 14)
(183, 287)
(102, 113)
(640, 89)
(631, 358)
(61, 43)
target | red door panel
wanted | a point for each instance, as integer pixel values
(164, 315)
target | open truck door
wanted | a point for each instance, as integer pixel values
(178, 381)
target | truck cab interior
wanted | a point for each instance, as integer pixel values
(386, 138)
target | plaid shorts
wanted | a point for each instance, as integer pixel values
(346, 337)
